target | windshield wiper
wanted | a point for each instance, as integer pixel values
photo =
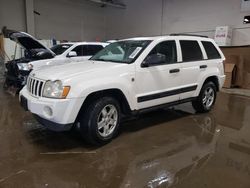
(108, 60)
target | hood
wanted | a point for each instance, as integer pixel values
(68, 71)
(25, 40)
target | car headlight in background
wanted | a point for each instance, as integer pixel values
(55, 89)
(25, 66)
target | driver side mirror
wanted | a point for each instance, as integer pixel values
(153, 60)
(72, 54)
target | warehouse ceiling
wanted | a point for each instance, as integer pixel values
(112, 3)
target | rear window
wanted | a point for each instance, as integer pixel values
(191, 50)
(212, 52)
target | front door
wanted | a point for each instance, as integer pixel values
(159, 81)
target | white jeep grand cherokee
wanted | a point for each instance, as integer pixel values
(127, 77)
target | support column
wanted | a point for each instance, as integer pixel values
(30, 18)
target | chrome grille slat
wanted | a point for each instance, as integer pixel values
(30, 84)
(35, 86)
(32, 87)
(41, 89)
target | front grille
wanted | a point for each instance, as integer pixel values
(35, 86)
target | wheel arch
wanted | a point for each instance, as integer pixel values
(213, 79)
(115, 93)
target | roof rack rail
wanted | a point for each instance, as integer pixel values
(191, 35)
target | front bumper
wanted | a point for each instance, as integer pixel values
(54, 114)
(52, 125)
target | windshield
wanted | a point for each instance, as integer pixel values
(122, 51)
(60, 48)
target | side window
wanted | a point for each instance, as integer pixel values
(212, 52)
(87, 50)
(92, 50)
(191, 50)
(166, 50)
(79, 50)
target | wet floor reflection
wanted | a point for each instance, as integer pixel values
(167, 148)
(168, 164)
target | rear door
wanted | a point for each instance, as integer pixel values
(193, 64)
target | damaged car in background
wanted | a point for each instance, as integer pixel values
(36, 55)
(19, 69)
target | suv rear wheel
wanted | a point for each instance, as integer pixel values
(206, 98)
(100, 121)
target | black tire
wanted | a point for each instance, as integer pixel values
(89, 117)
(198, 104)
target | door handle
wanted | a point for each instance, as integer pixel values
(174, 70)
(203, 66)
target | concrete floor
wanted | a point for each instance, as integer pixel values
(166, 148)
(237, 91)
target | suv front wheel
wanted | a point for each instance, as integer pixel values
(100, 121)
(206, 98)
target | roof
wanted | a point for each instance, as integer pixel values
(187, 37)
(81, 43)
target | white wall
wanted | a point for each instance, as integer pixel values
(81, 20)
(140, 18)
(12, 14)
(74, 20)
(69, 20)
(201, 15)
(144, 17)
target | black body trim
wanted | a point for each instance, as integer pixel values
(174, 71)
(186, 34)
(24, 103)
(52, 125)
(166, 94)
(203, 66)
(161, 106)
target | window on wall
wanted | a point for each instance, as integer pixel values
(168, 49)
(212, 52)
(191, 50)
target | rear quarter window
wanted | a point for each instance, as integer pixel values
(212, 52)
(191, 50)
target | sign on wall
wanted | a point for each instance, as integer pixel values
(245, 5)
(223, 35)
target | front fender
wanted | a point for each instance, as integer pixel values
(125, 85)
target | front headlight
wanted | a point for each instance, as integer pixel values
(24, 66)
(55, 89)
